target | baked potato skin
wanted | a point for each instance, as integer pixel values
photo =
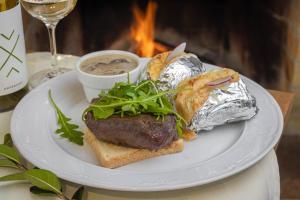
(194, 92)
(156, 65)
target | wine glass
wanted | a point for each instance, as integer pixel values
(50, 12)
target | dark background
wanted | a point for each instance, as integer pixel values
(213, 27)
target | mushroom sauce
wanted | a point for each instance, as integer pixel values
(111, 64)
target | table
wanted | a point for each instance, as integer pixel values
(259, 182)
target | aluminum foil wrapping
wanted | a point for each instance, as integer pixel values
(229, 104)
(182, 67)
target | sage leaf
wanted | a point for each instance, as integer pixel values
(66, 129)
(7, 140)
(13, 177)
(79, 194)
(36, 190)
(8, 163)
(44, 180)
(10, 153)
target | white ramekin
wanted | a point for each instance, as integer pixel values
(94, 84)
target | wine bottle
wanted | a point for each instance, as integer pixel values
(13, 70)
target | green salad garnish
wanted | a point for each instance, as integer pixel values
(128, 99)
(66, 128)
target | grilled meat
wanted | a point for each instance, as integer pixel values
(141, 131)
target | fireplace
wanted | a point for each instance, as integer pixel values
(253, 37)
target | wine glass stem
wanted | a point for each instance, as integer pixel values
(52, 39)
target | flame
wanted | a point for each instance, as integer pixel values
(142, 30)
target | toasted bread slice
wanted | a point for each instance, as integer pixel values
(113, 156)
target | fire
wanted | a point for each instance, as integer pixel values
(142, 30)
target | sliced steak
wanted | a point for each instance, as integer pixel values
(141, 131)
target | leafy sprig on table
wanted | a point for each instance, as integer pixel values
(66, 129)
(43, 181)
(134, 99)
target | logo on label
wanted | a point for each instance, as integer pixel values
(10, 53)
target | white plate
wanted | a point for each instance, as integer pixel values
(214, 155)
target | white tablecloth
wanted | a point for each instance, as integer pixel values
(260, 182)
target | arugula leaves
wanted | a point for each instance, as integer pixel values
(134, 99)
(123, 99)
(67, 129)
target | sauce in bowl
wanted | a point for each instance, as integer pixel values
(111, 64)
(101, 70)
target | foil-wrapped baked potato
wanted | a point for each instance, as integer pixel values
(194, 92)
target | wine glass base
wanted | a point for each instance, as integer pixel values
(40, 69)
(45, 75)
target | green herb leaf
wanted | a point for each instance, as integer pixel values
(8, 163)
(13, 177)
(7, 140)
(66, 129)
(179, 127)
(36, 190)
(10, 153)
(79, 194)
(103, 113)
(44, 180)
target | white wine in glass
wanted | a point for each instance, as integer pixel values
(50, 12)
